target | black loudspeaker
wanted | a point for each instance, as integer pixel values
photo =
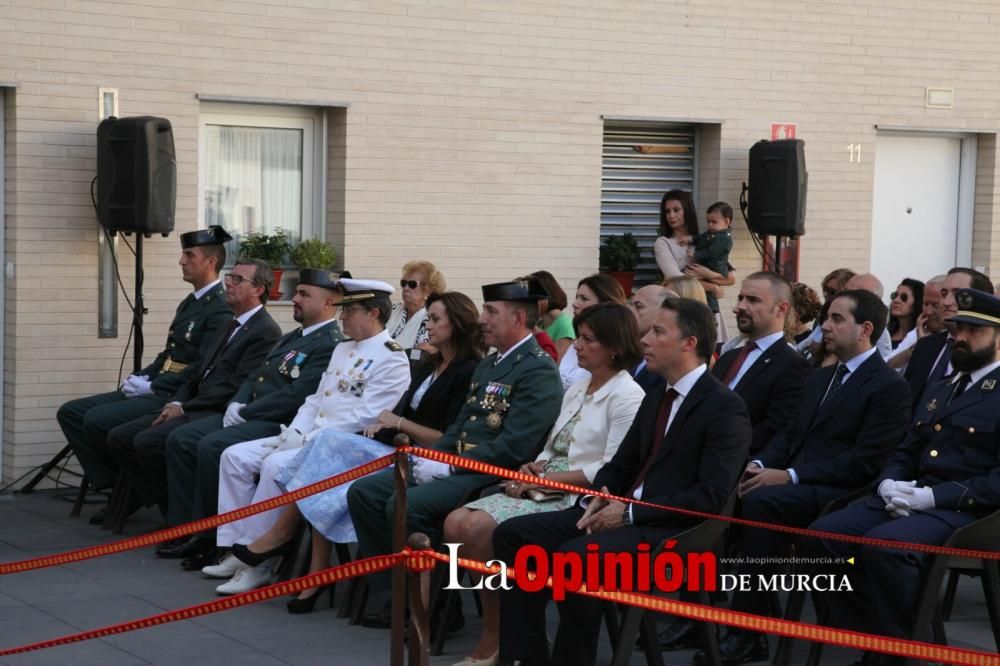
(136, 175)
(778, 178)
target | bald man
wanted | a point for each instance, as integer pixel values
(645, 304)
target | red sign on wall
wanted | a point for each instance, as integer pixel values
(781, 131)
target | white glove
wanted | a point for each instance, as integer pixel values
(232, 416)
(426, 470)
(137, 385)
(290, 439)
(915, 499)
(271, 443)
(889, 488)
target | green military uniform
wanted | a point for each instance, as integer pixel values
(510, 408)
(86, 421)
(290, 373)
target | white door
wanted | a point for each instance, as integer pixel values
(917, 228)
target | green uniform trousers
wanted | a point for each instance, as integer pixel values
(86, 423)
(372, 500)
(193, 454)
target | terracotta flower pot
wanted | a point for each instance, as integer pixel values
(625, 279)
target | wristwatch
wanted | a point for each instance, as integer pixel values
(627, 515)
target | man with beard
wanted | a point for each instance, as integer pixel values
(944, 475)
(767, 373)
(930, 360)
(851, 416)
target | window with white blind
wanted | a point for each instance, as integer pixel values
(261, 169)
(642, 160)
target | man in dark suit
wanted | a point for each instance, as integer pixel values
(944, 475)
(236, 351)
(851, 416)
(766, 372)
(685, 449)
(931, 358)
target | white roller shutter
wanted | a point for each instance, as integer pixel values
(632, 183)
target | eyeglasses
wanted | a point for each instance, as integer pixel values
(352, 308)
(901, 295)
(412, 284)
(829, 291)
(233, 278)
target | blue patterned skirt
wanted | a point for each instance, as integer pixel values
(329, 453)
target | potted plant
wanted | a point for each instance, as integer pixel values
(272, 248)
(313, 253)
(619, 257)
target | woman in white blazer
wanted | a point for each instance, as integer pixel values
(596, 413)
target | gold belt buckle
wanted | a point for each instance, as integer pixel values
(464, 446)
(170, 365)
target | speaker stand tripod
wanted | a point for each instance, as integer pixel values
(138, 343)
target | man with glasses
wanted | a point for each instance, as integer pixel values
(236, 350)
(87, 421)
(366, 374)
(268, 398)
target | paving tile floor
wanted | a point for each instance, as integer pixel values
(53, 602)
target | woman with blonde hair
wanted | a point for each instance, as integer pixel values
(686, 287)
(407, 323)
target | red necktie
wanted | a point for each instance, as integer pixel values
(734, 368)
(662, 417)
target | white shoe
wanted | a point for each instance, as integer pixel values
(246, 579)
(225, 569)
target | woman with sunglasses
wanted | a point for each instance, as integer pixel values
(408, 320)
(435, 396)
(905, 305)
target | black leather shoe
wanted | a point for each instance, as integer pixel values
(248, 557)
(678, 634)
(193, 546)
(737, 648)
(199, 561)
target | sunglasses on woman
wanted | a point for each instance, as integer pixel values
(412, 284)
(901, 295)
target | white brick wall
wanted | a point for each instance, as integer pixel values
(473, 137)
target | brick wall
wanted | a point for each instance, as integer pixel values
(473, 136)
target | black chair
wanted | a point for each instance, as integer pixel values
(701, 538)
(796, 601)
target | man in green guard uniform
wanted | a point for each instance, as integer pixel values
(272, 396)
(513, 401)
(86, 421)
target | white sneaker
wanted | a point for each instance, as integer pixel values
(225, 569)
(246, 579)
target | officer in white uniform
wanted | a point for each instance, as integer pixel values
(366, 374)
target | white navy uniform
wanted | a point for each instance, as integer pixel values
(362, 379)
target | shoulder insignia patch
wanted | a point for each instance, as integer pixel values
(392, 345)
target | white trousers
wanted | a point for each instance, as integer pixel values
(241, 467)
